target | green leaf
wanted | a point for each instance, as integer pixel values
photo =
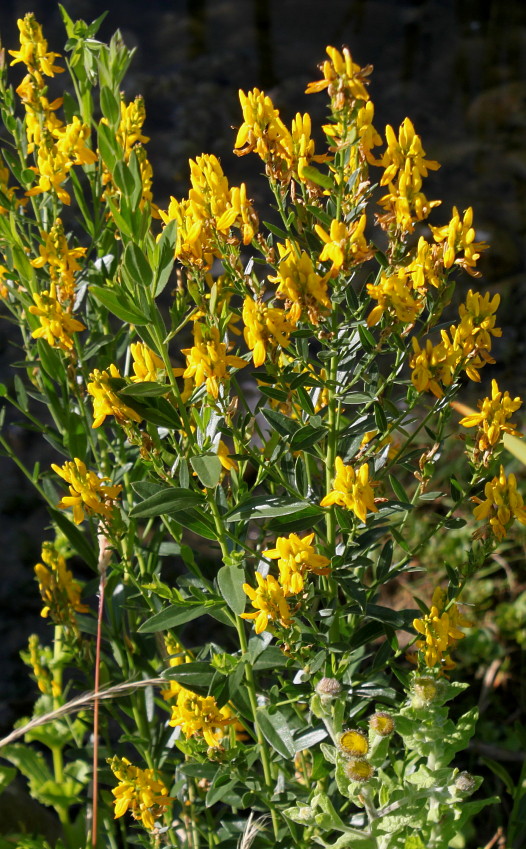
(316, 176)
(220, 786)
(309, 739)
(366, 338)
(137, 265)
(301, 521)
(276, 731)
(169, 500)
(109, 148)
(117, 302)
(207, 468)
(502, 773)
(75, 537)
(196, 676)
(306, 437)
(7, 774)
(110, 107)
(176, 614)
(282, 424)
(144, 389)
(265, 507)
(230, 580)
(197, 522)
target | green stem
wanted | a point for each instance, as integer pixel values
(249, 673)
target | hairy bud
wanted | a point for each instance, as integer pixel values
(358, 769)
(328, 687)
(382, 723)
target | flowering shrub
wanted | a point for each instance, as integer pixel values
(245, 416)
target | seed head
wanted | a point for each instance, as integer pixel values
(328, 687)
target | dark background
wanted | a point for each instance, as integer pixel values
(457, 69)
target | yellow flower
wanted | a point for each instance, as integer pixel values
(178, 657)
(56, 325)
(146, 364)
(53, 167)
(303, 290)
(343, 78)
(228, 463)
(353, 743)
(405, 203)
(394, 294)
(440, 629)
(502, 504)
(345, 244)
(435, 366)
(87, 492)
(425, 268)
(207, 361)
(210, 211)
(60, 592)
(406, 148)
(129, 132)
(492, 420)
(40, 658)
(200, 715)
(33, 48)
(351, 490)
(106, 402)
(139, 791)
(459, 235)
(61, 259)
(264, 326)
(295, 557)
(270, 602)
(264, 132)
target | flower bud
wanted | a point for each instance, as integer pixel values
(328, 687)
(425, 690)
(464, 784)
(353, 743)
(358, 769)
(304, 814)
(382, 723)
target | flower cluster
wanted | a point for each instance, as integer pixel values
(286, 153)
(440, 629)
(492, 421)
(61, 261)
(200, 716)
(465, 346)
(88, 494)
(56, 324)
(303, 290)
(59, 590)
(106, 402)
(405, 167)
(396, 296)
(207, 361)
(138, 791)
(345, 244)
(270, 602)
(502, 503)
(265, 328)
(351, 490)
(205, 219)
(296, 558)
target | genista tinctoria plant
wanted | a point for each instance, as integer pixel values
(243, 417)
